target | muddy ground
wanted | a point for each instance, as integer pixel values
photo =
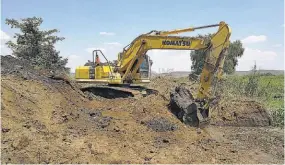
(49, 120)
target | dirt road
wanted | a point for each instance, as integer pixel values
(51, 121)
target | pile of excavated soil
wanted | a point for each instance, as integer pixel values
(244, 113)
(49, 120)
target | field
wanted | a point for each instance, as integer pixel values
(47, 119)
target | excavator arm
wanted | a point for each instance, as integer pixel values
(132, 57)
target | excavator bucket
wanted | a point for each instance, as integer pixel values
(187, 109)
(196, 117)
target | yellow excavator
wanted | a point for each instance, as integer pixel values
(133, 65)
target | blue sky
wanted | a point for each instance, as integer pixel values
(111, 24)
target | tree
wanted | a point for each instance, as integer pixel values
(235, 51)
(35, 45)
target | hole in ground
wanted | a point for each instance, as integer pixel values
(109, 93)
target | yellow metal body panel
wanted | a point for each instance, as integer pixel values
(116, 79)
(98, 72)
(101, 72)
(82, 72)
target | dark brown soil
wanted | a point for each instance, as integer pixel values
(50, 120)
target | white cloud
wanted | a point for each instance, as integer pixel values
(170, 60)
(73, 56)
(113, 43)
(4, 49)
(107, 33)
(254, 39)
(277, 45)
(4, 36)
(263, 59)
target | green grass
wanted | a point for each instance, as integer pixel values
(266, 89)
(275, 86)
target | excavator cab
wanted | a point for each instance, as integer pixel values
(97, 72)
(145, 68)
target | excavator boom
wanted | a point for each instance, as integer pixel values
(132, 57)
(177, 31)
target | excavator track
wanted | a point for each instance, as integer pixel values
(122, 91)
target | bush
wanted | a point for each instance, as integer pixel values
(35, 45)
(278, 117)
(251, 87)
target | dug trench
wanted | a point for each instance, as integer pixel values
(50, 120)
(113, 92)
(105, 92)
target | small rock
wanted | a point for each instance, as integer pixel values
(93, 152)
(27, 126)
(4, 130)
(199, 131)
(89, 145)
(147, 159)
(117, 129)
(165, 141)
(21, 143)
(18, 67)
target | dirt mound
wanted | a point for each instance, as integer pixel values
(20, 68)
(243, 113)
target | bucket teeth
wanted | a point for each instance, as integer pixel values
(198, 118)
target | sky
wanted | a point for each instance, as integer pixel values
(110, 25)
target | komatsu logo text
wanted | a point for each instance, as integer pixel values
(177, 43)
